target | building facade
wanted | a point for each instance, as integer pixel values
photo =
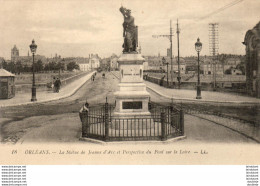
(252, 43)
(83, 66)
(208, 68)
(175, 68)
(25, 60)
(113, 62)
(94, 61)
(14, 54)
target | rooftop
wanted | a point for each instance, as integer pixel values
(5, 73)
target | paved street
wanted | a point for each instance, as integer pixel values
(58, 121)
(66, 129)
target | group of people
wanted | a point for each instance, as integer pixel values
(56, 84)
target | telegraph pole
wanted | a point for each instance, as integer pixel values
(179, 77)
(170, 38)
(171, 50)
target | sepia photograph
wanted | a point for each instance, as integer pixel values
(130, 82)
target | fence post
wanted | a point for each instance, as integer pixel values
(163, 126)
(172, 116)
(182, 122)
(85, 124)
(171, 110)
(149, 104)
(106, 122)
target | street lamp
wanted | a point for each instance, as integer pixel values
(166, 63)
(198, 47)
(33, 48)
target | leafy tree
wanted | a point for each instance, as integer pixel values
(38, 66)
(72, 65)
(50, 66)
(18, 67)
(60, 66)
(26, 68)
(11, 67)
(4, 64)
(228, 71)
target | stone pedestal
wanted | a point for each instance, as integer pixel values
(132, 97)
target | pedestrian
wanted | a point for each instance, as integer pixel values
(146, 76)
(161, 81)
(84, 109)
(57, 85)
(52, 85)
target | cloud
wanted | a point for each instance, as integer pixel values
(79, 27)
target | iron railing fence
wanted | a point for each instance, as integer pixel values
(163, 123)
(99, 109)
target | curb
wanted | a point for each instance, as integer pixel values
(196, 100)
(54, 99)
(95, 141)
(199, 101)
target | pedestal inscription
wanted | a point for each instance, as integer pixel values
(132, 105)
(132, 97)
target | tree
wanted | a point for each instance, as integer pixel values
(50, 66)
(11, 67)
(228, 71)
(18, 67)
(4, 65)
(72, 65)
(26, 68)
(46, 67)
(60, 66)
(38, 66)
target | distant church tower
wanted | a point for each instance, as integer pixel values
(14, 54)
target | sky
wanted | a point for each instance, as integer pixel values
(79, 28)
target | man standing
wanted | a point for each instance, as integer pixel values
(84, 109)
(57, 85)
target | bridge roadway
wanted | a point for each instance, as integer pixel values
(58, 121)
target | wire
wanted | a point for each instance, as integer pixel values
(221, 9)
(215, 12)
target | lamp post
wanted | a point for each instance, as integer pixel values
(198, 47)
(166, 63)
(33, 48)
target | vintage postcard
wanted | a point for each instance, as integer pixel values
(174, 82)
